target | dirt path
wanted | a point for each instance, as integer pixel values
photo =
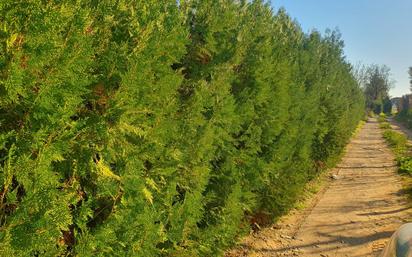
(354, 216)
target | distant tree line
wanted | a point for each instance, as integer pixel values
(162, 128)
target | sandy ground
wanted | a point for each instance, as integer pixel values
(354, 216)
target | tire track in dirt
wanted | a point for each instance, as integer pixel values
(354, 216)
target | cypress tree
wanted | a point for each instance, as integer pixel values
(147, 128)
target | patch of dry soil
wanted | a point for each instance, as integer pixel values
(354, 216)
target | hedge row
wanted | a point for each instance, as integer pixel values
(160, 128)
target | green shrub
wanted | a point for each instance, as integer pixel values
(400, 146)
(160, 128)
(396, 140)
(405, 164)
(385, 125)
(382, 117)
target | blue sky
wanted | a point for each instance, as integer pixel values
(374, 31)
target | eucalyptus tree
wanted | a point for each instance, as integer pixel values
(377, 85)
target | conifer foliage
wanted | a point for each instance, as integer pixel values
(160, 128)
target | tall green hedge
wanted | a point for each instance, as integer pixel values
(160, 128)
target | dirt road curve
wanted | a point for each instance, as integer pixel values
(354, 216)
